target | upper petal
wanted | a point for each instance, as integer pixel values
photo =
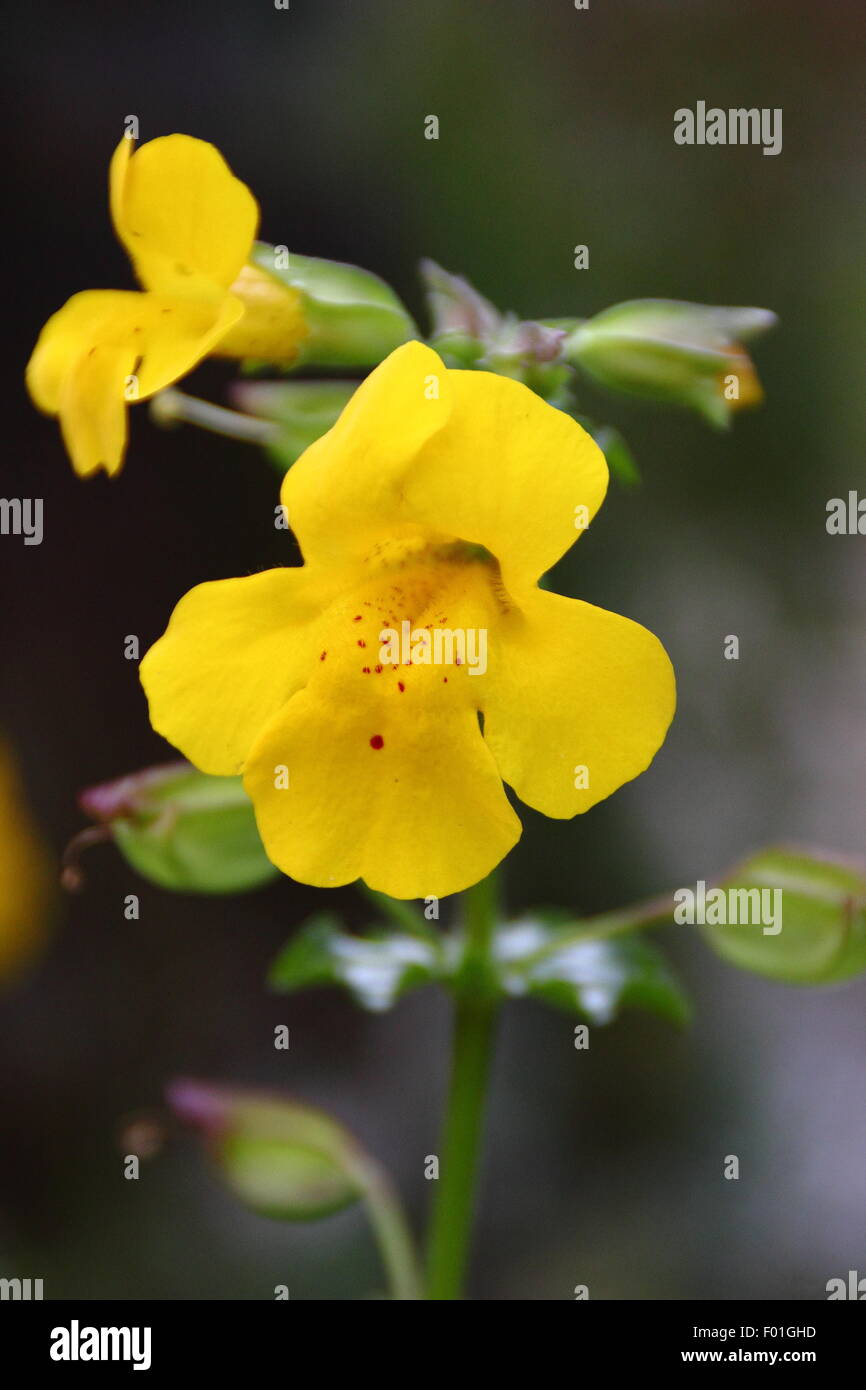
(509, 472)
(234, 651)
(574, 695)
(181, 213)
(466, 454)
(347, 490)
(409, 801)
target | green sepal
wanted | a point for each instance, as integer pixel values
(352, 317)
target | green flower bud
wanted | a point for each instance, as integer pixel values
(819, 932)
(179, 828)
(283, 1160)
(350, 317)
(688, 354)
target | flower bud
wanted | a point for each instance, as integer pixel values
(349, 317)
(468, 331)
(689, 354)
(807, 917)
(283, 1160)
(179, 828)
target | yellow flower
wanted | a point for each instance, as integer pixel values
(188, 225)
(26, 878)
(437, 501)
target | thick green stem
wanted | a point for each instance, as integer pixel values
(474, 1030)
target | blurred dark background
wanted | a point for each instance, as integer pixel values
(556, 128)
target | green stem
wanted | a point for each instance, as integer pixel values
(401, 913)
(172, 407)
(474, 1030)
(393, 1235)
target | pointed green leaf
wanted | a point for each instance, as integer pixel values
(553, 962)
(377, 969)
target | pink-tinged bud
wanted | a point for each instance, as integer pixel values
(179, 828)
(280, 1158)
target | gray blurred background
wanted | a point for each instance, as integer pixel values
(556, 128)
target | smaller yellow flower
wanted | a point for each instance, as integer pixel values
(188, 225)
(377, 697)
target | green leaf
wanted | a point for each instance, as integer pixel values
(353, 318)
(302, 412)
(620, 459)
(183, 829)
(377, 969)
(822, 911)
(555, 962)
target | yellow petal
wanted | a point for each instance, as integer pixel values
(345, 491)
(67, 335)
(273, 324)
(93, 411)
(181, 213)
(105, 348)
(234, 652)
(508, 472)
(409, 801)
(467, 454)
(178, 333)
(573, 687)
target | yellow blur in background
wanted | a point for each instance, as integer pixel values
(28, 892)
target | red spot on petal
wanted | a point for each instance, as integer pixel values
(378, 670)
(322, 657)
(400, 685)
(365, 670)
(357, 618)
(377, 741)
(361, 642)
